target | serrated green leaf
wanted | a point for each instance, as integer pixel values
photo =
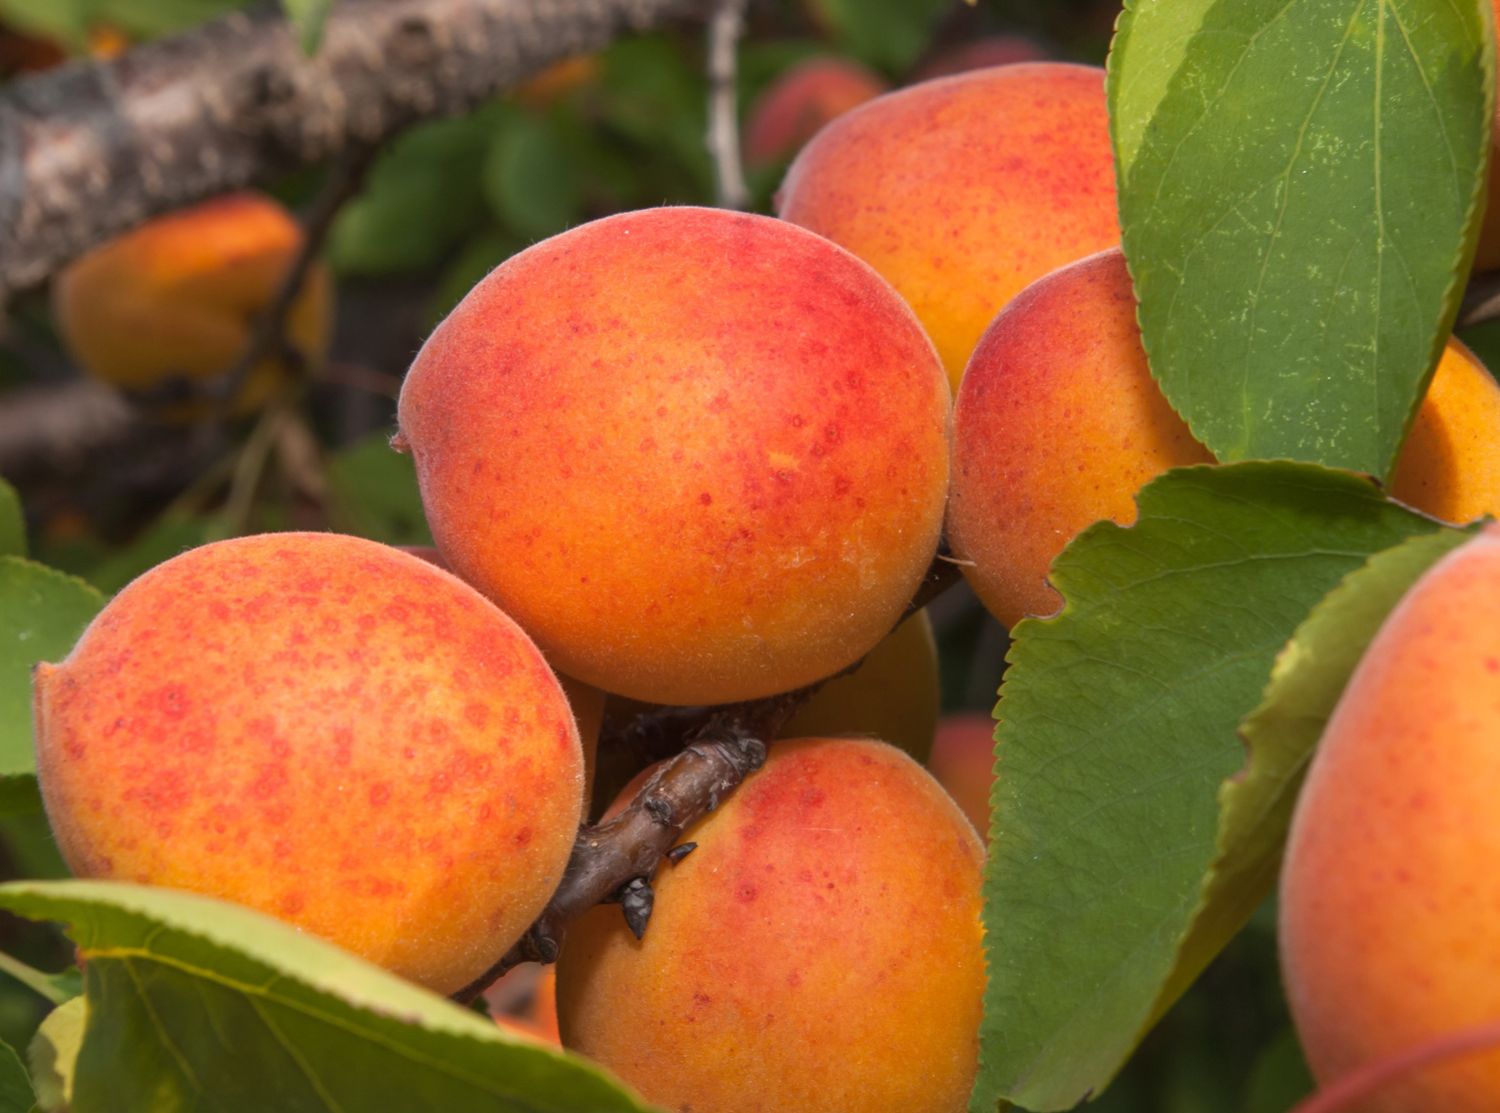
(1300, 191)
(199, 1005)
(16, 1094)
(373, 493)
(12, 523)
(53, 1054)
(1255, 805)
(42, 612)
(308, 17)
(1118, 721)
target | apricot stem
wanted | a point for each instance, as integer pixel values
(1370, 1078)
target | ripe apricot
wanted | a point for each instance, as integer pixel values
(800, 101)
(819, 950)
(893, 695)
(963, 761)
(178, 299)
(962, 190)
(700, 456)
(1059, 423)
(327, 730)
(1390, 900)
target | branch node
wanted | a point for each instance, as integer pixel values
(636, 900)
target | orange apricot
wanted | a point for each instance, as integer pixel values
(327, 730)
(1058, 423)
(820, 949)
(962, 190)
(700, 456)
(963, 761)
(893, 695)
(178, 299)
(1390, 901)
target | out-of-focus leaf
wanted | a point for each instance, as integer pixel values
(1118, 723)
(308, 17)
(195, 1003)
(1301, 186)
(56, 988)
(421, 197)
(531, 178)
(373, 492)
(164, 539)
(1280, 1078)
(12, 523)
(16, 1094)
(53, 1054)
(654, 96)
(42, 612)
(149, 19)
(889, 34)
(480, 255)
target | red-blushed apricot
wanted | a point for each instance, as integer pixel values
(1390, 900)
(700, 456)
(178, 298)
(893, 695)
(819, 950)
(963, 761)
(1059, 423)
(327, 730)
(962, 190)
(586, 701)
(800, 101)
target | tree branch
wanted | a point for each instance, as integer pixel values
(725, 26)
(89, 150)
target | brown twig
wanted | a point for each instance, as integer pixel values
(715, 749)
(91, 149)
(1481, 300)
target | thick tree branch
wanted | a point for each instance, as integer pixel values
(91, 149)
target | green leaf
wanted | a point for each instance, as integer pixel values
(890, 34)
(149, 19)
(308, 17)
(373, 493)
(42, 612)
(422, 196)
(62, 21)
(165, 538)
(1283, 731)
(12, 523)
(16, 1094)
(1117, 727)
(531, 178)
(1300, 191)
(56, 988)
(1280, 1078)
(53, 1054)
(195, 1004)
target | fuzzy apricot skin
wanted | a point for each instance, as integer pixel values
(1058, 424)
(324, 729)
(1390, 900)
(700, 456)
(963, 190)
(819, 950)
(179, 296)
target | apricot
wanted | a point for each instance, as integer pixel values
(893, 695)
(1059, 423)
(1390, 900)
(800, 101)
(963, 190)
(586, 701)
(327, 730)
(963, 761)
(700, 456)
(178, 299)
(819, 950)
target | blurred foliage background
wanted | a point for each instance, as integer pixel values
(437, 209)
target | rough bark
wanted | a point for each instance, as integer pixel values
(91, 149)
